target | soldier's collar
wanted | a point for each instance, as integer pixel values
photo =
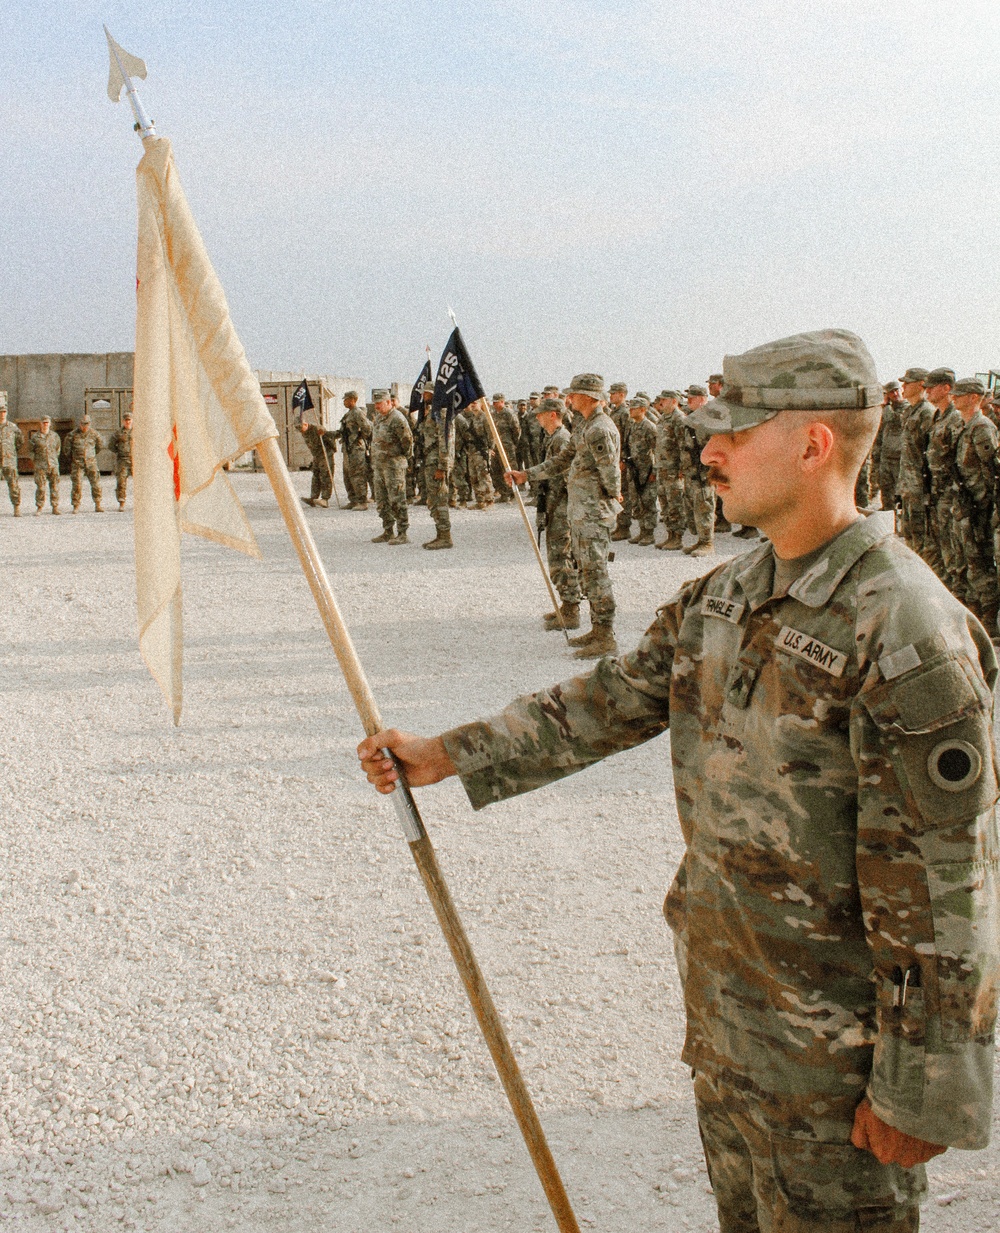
(819, 582)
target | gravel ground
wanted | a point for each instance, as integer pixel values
(225, 1001)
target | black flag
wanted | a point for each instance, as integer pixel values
(301, 400)
(457, 384)
(417, 393)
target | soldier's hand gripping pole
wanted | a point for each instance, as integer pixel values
(420, 845)
(505, 463)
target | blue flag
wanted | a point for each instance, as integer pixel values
(302, 399)
(457, 384)
(417, 393)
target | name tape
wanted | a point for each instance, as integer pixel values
(727, 609)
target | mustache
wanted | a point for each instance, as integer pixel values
(717, 477)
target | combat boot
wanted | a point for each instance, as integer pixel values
(98, 508)
(584, 639)
(76, 509)
(38, 511)
(322, 503)
(619, 533)
(644, 540)
(383, 538)
(308, 500)
(17, 511)
(570, 614)
(398, 538)
(703, 548)
(672, 543)
(121, 507)
(722, 525)
(440, 541)
(602, 642)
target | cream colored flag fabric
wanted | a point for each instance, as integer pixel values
(197, 405)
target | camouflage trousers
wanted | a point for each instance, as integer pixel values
(390, 493)
(48, 478)
(590, 544)
(624, 521)
(356, 476)
(9, 474)
(930, 548)
(322, 482)
(887, 482)
(703, 510)
(88, 469)
(559, 551)
(912, 523)
(863, 485)
(670, 493)
(769, 1182)
(981, 586)
(459, 481)
(951, 549)
(438, 491)
(122, 472)
(479, 478)
(503, 493)
(645, 506)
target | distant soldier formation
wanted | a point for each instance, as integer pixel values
(600, 467)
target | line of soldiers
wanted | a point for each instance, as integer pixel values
(81, 447)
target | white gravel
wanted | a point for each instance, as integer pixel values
(225, 1002)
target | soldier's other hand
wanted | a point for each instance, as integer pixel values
(515, 477)
(425, 759)
(887, 1144)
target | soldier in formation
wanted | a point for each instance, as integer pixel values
(81, 447)
(509, 431)
(670, 443)
(355, 434)
(11, 439)
(830, 712)
(552, 518)
(460, 491)
(322, 444)
(697, 489)
(120, 444)
(478, 454)
(392, 448)
(437, 442)
(641, 469)
(45, 447)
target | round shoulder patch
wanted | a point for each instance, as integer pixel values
(954, 766)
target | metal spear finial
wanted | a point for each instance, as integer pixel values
(123, 68)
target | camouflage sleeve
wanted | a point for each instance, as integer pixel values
(606, 454)
(403, 437)
(558, 464)
(330, 441)
(546, 736)
(98, 443)
(929, 877)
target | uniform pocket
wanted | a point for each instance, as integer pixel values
(832, 1181)
(898, 1068)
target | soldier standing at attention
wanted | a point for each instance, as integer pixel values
(976, 458)
(642, 469)
(669, 477)
(81, 447)
(355, 436)
(459, 491)
(11, 438)
(509, 432)
(888, 445)
(120, 444)
(392, 447)
(478, 452)
(943, 552)
(553, 518)
(438, 439)
(45, 450)
(697, 489)
(590, 463)
(914, 479)
(830, 712)
(322, 446)
(618, 411)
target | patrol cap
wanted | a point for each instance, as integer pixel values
(676, 394)
(46, 419)
(589, 383)
(498, 398)
(694, 391)
(642, 394)
(968, 385)
(640, 400)
(915, 374)
(534, 394)
(381, 395)
(715, 377)
(126, 415)
(549, 404)
(351, 394)
(618, 387)
(891, 387)
(551, 389)
(824, 370)
(940, 376)
(84, 419)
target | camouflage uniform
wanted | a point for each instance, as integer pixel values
(589, 460)
(319, 440)
(863, 484)
(82, 448)
(976, 458)
(669, 477)
(479, 447)
(120, 444)
(697, 489)
(835, 912)
(45, 450)
(641, 469)
(886, 453)
(392, 445)
(509, 432)
(355, 434)
(623, 523)
(945, 555)
(437, 440)
(914, 478)
(11, 439)
(460, 491)
(558, 539)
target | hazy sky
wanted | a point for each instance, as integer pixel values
(633, 188)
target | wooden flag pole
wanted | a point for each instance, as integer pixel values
(420, 845)
(505, 462)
